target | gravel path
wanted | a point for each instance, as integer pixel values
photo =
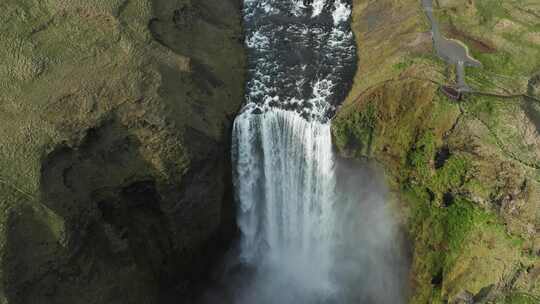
(452, 51)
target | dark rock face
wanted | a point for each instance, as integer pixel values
(532, 106)
(534, 86)
(464, 297)
(123, 194)
(441, 157)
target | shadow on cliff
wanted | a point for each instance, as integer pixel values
(531, 106)
(107, 229)
(115, 238)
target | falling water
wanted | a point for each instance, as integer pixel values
(302, 58)
(286, 183)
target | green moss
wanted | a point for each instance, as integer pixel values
(442, 236)
(443, 221)
(422, 155)
(403, 65)
(490, 10)
(426, 226)
(356, 131)
(521, 299)
(453, 174)
(450, 176)
(462, 218)
(443, 228)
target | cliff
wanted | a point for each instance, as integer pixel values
(466, 174)
(114, 171)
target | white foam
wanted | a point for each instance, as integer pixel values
(291, 215)
(257, 40)
(269, 9)
(298, 7)
(318, 6)
(285, 182)
(340, 40)
(267, 73)
(341, 13)
(322, 90)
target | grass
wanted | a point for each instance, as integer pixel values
(450, 231)
(462, 238)
(70, 66)
(356, 131)
(490, 11)
(504, 25)
(521, 298)
(444, 242)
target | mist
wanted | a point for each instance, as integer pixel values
(369, 259)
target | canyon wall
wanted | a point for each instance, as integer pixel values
(114, 135)
(465, 174)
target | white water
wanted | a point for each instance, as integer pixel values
(300, 230)
(315, 229)
(286, 186)
(301, 58)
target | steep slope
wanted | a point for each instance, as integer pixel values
(115, 118)
(466, 173)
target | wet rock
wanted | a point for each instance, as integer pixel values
(441, 157)
(484, 294)
(463, 297)
(448, 199)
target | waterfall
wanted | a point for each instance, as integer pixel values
(296, 222)
(286, 186)
(301, 55)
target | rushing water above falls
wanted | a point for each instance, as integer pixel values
(301, 57)
(300, 224)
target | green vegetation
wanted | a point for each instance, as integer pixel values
(359, 128)
(455, 166)
(426, 152)
(503, 35)
(95, 96)
(521, 299)
(490, 10)
(442, 234)
(466, 173)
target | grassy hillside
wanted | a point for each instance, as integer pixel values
(467, 174)
(113, 145)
